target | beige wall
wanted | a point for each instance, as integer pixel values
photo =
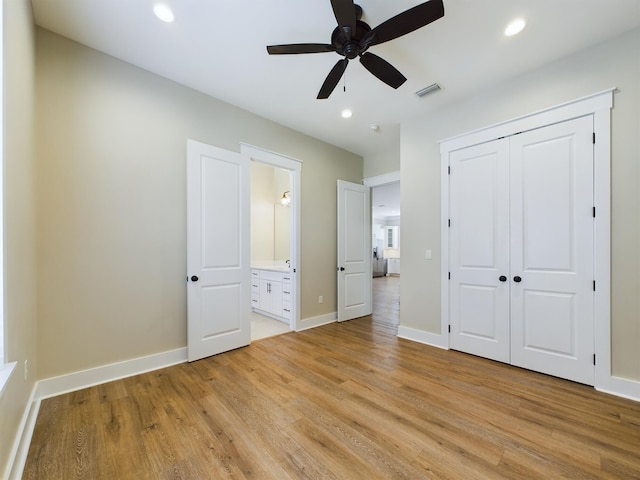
(387, 159)
(262, 212)
(270, 221)
(612, 64)
(111, 211)
(19, 217)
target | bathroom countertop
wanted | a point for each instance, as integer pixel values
(272, 266)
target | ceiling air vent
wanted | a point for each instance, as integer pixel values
(427, 90)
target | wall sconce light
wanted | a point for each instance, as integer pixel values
(285, 201)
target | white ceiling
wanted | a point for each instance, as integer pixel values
(218, 48)
(385, 200)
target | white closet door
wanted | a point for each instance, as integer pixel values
(552, 250)
(479, 250)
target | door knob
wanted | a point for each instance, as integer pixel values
(342, 269)
(194, 278)
(517, 279)
(502, 278)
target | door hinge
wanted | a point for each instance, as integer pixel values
(449, 275)
(594, 358)
(594, 285)
(594, 212)
(449, 170)
(449, 328)
(449, 222)
(594, 137)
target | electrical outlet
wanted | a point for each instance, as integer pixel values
(320, 299)
(26, 369)
(427, 254)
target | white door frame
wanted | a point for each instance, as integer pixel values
(599, 105)
(295, 167)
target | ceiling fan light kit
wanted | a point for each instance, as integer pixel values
(353, 37)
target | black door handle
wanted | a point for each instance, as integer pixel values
(502, 278)
(341, 269)
(194, 278)
(517, 279)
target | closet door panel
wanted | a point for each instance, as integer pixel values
(479, 246)
(552, 250)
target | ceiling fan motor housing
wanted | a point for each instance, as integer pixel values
(350, 48)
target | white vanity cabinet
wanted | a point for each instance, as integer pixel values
(286, 295)
(271, 293)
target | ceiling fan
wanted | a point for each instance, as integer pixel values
(353, 37)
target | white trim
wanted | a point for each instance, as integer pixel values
(295, 168)
(312, 322)
(622, 387)
(547, 116)
(602, 246)
(267, 156)
(3, 340)
(6, 371)
(444, 252)
(71, 382)
(420, 336)
(599, 106)
(384, 179)
(20, 448)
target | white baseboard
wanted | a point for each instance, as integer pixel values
(622, 387)
(312, 322)
(50, 387)
(420, 336)
(20, 449)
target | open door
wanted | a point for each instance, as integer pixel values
(218, 251)
(354, 251)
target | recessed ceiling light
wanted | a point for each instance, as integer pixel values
(514, 27)
(163, 12)
(346, 113)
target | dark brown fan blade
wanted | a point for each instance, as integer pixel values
(300, 48)
(405, 22)
(382, 69)
(333, 78)
(345, 13)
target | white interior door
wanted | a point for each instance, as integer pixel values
(354, 251)
(552, 232)
(218, 251)
(479, 250)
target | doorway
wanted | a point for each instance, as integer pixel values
(270, 249)
(386, 253)
(275, 240)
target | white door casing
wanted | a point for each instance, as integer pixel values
(354, 251)
(552, 250)
(218, 251)
(522, 250)
(479, 236)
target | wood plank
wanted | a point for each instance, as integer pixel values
(348, 400)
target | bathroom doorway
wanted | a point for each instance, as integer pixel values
(275, 240)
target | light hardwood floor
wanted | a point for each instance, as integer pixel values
(342, 401)
(386, 300)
